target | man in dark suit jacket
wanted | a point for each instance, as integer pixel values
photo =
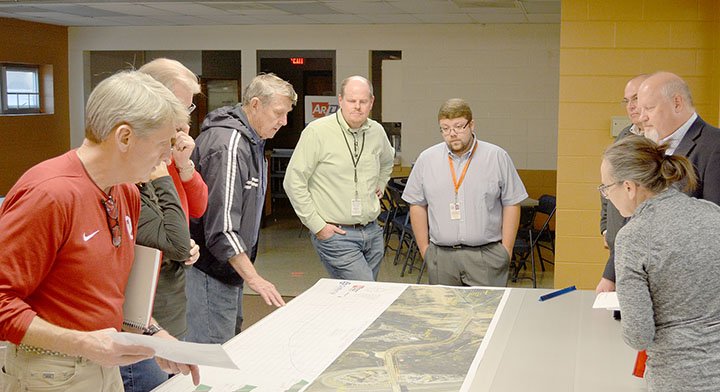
(667, 111)
(610, 219)
(667, 115)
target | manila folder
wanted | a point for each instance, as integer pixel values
(141, 285)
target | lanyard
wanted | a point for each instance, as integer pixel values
(464, 171)
(354, 157)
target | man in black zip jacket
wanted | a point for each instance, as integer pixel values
(229, 154)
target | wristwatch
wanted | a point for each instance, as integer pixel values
(152, 330)
(189, 167)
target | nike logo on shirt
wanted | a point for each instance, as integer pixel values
(87, 237)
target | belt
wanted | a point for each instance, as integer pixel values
(42, 351)
(351, 226)
(462, 246)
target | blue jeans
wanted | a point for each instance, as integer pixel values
(142, 376)
(213, 308)
(355, 255)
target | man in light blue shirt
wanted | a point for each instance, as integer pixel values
(464, 197)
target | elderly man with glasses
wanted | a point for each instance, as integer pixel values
(69, 229)
(610, 219)
(464, 197)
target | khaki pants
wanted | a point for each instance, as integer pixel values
(26, 371)
(487, 265)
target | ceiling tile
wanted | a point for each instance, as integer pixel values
(78, 10)
(283, 19)
(247, 9)
(363, 7)
(444, 18)
(337, 19)
(132, 9)
(13, 8)
(188, 9)
(204, 12)
(426, 7)
(180, 20)
(305, 8)
(67, 19)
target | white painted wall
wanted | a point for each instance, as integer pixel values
(508, 73)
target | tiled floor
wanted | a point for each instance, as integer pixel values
(287, 259)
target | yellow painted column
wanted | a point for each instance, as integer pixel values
(604, 43)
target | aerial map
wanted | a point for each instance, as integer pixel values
(425, 340)
(344, 335)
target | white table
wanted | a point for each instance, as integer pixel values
(557, 345)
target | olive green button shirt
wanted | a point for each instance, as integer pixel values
(319, 179)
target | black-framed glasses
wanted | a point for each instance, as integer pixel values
(191, 108)
(111, 212)
(458, 130)
(604, 189)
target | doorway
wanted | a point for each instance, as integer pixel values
(311, 72)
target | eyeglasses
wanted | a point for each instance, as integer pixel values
(111, 212)
(604, 189)
(458, 130)
(191, 108)
(632, 100)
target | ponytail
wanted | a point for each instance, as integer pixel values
(640, 160)
(675, 169)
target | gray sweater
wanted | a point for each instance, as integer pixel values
(668, 280)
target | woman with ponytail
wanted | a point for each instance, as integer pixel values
(667, 265)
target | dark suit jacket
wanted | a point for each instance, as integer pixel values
(612, 221)
(700, 145)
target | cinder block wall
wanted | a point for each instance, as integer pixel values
(603, 43)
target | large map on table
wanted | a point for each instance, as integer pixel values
(425, 341)
(361, 336)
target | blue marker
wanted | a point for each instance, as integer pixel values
(556, 293)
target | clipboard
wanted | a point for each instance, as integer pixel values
(141, 286)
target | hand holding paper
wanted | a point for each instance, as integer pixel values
(181, 352)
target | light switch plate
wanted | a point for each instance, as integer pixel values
(617, 124)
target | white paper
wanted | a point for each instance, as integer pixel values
(607, 300)
(179, 351)
(291, 347)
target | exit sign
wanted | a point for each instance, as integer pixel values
(297, 60)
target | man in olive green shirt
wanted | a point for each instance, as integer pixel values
(335, 179)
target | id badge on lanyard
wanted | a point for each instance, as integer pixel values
(455, 211)
(355, 207)
(455, 206)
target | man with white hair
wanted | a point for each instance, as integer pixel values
(230, 156)
(668, 116)
(68, 238)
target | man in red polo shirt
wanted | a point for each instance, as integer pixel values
(67, 230)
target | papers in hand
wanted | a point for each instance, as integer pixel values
(178, 351)
(607, 300)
